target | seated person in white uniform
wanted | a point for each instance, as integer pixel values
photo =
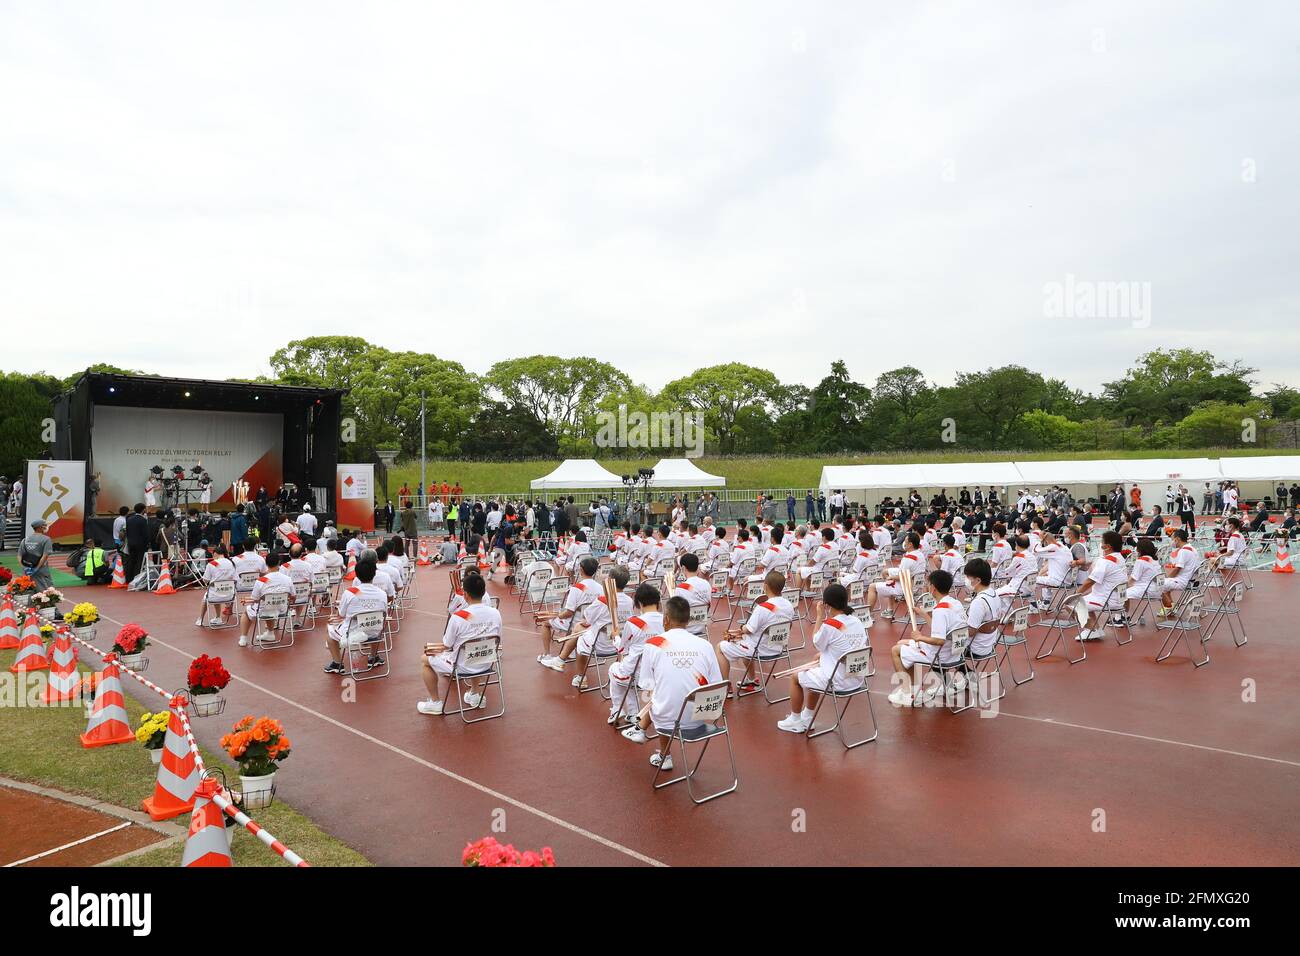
(776, 557)
(984, 616)
(645, 622)
(1142, 578)
(1104, 586)
(697, 591)
(913, 563)
(920, 650)
(220, 568)
(274, 581)
(361, 596)
(739, 643)
(821, 554)
(575, 552)
(674, 664)
(1233, 554)
(1022, 567)
(838, 634)
(742, 550)
(477, 619)
(1185, 562)
(591, 634)
(581, 593)
(1055, 558)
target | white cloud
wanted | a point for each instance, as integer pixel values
(185, 190)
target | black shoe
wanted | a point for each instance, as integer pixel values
(333, 667)
(375, 661)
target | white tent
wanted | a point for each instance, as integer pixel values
(683, 473)
(868, 484)
(578, 473)
(1258, 476)
(955, 475)
(1082, 479)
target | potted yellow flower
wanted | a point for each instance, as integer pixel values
(152, 732)
(82, 619)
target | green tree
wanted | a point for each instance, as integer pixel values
(25, 402)
(1222, 424)
(559, 392)
(1165, 386)
(837, 409)
(900, 404)
(987, 405)
(1039, 429)
(723, 393)
(501, 432)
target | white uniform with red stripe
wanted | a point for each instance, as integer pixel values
(672, 666)
(596, 618)
(825, 552)
(984, 607)
(580, 594)
(769, 611)
(777, 557)
(1001, 551)
(1185, 562)
(574, 553)
(1145, 568)
(743, 551)
(1236, 551)
(913, 563)
(1058, 560)
(1109, 580)
(947, 615)
(356, 599)
(837, 636)
(1022, 566)
(275, 582)
(952, 561)
(698, 593)
(467, 624)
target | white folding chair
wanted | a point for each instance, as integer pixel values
(771, 647)
(853, 663)
(273, 624)
(1187, 620)
(365, 636)
(705, 708)
(1014, 632)
(476, 658)
(218, 595)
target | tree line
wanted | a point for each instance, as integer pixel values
(546, 406)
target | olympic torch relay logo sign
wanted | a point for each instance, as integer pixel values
(354, 490)
(56, 494)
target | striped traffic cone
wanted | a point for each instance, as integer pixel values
(351, 574)
(1282, 560)
(108, 722)
(64, 682)
(178, 773)
(164, 585)
(205, 844)
(31, 649)
(119, 575)
(423, 560)
(8, 625)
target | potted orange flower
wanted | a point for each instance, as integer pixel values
(257, 745)
(22, 588)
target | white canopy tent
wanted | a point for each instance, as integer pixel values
(1082, 479)
(683, 473)
(1258, 476)
(868, 484)
(1154, 475)
(577, 473)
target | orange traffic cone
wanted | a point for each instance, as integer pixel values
(8, 625)
(351, 574)
(64, 682)
(178, 773)
(1282, 560)
(206, 845)
(31, 649)
(423, 560)
(119, 575)
(164, 585)
(108, 722)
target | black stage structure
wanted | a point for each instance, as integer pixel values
(312, 419)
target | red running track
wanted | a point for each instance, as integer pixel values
(1186, 772)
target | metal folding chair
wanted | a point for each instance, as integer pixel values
(777, 636)
(1013, 632)
(532, 590)
(366, 635)
(719, 593)
(274, 619)
(302, 606)
(244, 582)
(751, 593)
(478, 657)
(708, 705)
(1227, 609)
(1187, 620)
(552, 597)
(854, 663)
(217, 595)
(1074, 614)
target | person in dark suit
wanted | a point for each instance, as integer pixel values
(137, 541)
(1155, 529)
(389, 514)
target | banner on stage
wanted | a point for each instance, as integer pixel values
(56, 493)
(127, 441)
(354, 491)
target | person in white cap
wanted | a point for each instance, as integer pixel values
(307, 521)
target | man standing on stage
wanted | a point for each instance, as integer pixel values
(92, 495)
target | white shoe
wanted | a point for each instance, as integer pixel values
(431, 707)
(634, 734)
(243, 641)
(266, 637)
(578, 681)
(214, 622)
(902, 698)
(199, 622)
(662, 761)
(793, 724)
(896, 694)
(958, 682)
(554, 663)
(472, 699)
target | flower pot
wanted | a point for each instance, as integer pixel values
(156, 755)
(207, 705)
(135, 662)
(259, 792)
(47, 613)
(85, 631)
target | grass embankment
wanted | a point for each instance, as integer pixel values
(42, 745)
(763, 472)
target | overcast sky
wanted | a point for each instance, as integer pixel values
(184, 187)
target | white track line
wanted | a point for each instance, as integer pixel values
(451, 774)
(68, 846)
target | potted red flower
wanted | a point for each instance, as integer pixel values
(488, 852)
(206, 679)
(129, 646)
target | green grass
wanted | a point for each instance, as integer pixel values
(762, 472)
(41, 745)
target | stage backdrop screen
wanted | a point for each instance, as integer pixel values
(56, 492)
(126, 442)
